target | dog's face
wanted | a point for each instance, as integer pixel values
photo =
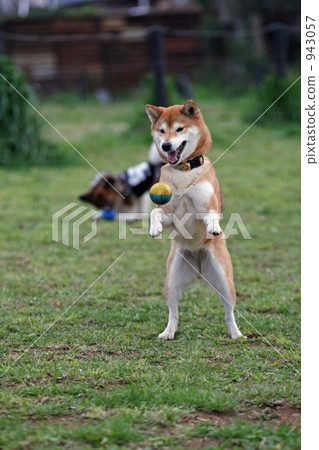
(102, 194)
(179, 132)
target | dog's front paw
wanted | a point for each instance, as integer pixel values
(167, 335)
(214, 228)
(156, 229)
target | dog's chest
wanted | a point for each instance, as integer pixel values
(190, 194)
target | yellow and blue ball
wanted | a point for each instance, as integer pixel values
(160, 193)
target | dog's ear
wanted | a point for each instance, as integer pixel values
(109, 181)
(112, 183)
(190, 109)
(153, 112)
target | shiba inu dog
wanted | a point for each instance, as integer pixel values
(182, 138)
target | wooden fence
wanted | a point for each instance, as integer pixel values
(115, 51)
(110, 52)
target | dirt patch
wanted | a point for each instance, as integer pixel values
(90, 324)
(216, 417)
(57, 304)
(280, 411)
(61, 418)
(105, 385)
(290, 415)
(18, 385)
(109, 385)
(68, 420)
(59, 352)
(216, 360)
(36, 352)
(274, 411)
(55, 348)
(199, 443)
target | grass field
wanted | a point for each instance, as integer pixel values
(100, 377)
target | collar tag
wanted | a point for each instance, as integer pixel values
(184, 167)
(190, 164)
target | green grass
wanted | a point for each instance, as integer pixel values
(100, 378)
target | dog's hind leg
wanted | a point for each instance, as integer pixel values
(179, 275)
(216, 268)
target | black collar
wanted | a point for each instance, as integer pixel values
(190, 164)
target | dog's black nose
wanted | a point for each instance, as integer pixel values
(166, 146)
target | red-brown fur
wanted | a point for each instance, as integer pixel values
(193, 192)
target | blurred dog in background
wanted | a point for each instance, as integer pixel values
(125, 192)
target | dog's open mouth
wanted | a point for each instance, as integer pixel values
(174, 155)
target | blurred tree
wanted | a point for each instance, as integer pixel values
(259, 49)
(20, 138)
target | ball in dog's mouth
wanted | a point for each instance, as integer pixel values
(174, 155)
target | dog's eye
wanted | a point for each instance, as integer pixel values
(162, 131)
(180, 129)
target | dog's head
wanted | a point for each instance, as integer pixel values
(179, 132)
(104, 192)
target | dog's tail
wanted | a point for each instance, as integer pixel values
(154, 157)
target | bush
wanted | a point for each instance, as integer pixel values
(20, 137)
(287, 108)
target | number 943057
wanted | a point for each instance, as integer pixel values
(310, 38)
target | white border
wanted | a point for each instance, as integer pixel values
(310, 247)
